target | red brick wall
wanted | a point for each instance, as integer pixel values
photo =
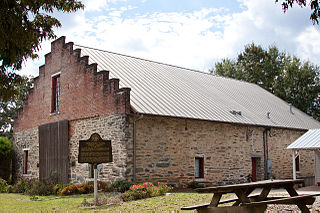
(84, 93)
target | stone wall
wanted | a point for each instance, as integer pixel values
(27, 139)
(114, 128)
(167, 147)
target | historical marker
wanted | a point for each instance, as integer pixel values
(95, 150)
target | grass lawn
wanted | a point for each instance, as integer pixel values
(172, 202)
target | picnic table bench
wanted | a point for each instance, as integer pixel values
(253, 203)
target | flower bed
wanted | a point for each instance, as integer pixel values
(145, 190)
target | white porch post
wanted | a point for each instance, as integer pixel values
(294, 175)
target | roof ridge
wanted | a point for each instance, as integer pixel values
(162, 63)
(157, 62)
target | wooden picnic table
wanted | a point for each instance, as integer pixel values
(253, 203)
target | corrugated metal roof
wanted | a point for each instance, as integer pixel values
(162, 89)
(309, 140)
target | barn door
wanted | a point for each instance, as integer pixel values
(54, 150)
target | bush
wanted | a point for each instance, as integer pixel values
(145, 190)
(5, 147)
(57, 188)
(3, 186)
(22, 186)
(120, 186)
(83, 188)
(35, 187)
(40, 188)
(195, 185)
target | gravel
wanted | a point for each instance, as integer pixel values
(293, 208)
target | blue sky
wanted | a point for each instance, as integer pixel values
(188, 33)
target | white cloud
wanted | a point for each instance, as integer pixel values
(308, 45)
(194, 39)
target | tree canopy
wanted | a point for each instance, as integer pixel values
(9, 109)
(5, 147)
(286, 76)
(24, 24)
(314, 6)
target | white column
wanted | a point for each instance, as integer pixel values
(294, 165)
(95, 184)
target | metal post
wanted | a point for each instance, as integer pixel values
(95, 184)
(294, 165)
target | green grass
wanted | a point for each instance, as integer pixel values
(173, 202)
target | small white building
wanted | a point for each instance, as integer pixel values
(308, 141)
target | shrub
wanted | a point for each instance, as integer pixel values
(57, 188)
(5, 147)
(83, 188)
(10, 189)
(41, 188)
(3, 186)
(103, 186)
(120, 186)
(145, 190)
(22, 186)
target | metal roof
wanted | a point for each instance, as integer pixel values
(309, 140)
(167, 90)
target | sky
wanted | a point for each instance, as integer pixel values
(188, 33)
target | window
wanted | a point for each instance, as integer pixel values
(55, 93)
(297, 159)
(25, 161)
(91, 171)
(199, 167)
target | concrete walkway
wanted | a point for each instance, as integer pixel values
(301, 191)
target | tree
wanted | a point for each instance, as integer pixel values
(285, 76)
(5, 147)
(314, 6)
(24, 24)
(9, 109)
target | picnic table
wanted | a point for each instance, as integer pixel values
(253, 203)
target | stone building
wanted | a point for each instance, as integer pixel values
(164, 122)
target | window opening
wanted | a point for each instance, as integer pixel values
(199, 167)
(297, 159)
(91, 171)
(55, 93)
(25, 161)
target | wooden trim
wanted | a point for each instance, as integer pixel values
(53, 75)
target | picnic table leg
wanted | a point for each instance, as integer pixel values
(243, 197)
(247, 194)
(301, 204)
(215, 199)
(264, 194)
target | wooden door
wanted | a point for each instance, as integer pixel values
(254, 169)
(54, 151)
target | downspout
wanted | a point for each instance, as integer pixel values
(264, 155)
(134, 146)
(266, 152)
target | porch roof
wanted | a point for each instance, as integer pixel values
(309, 140)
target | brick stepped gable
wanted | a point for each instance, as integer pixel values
(84, 93)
